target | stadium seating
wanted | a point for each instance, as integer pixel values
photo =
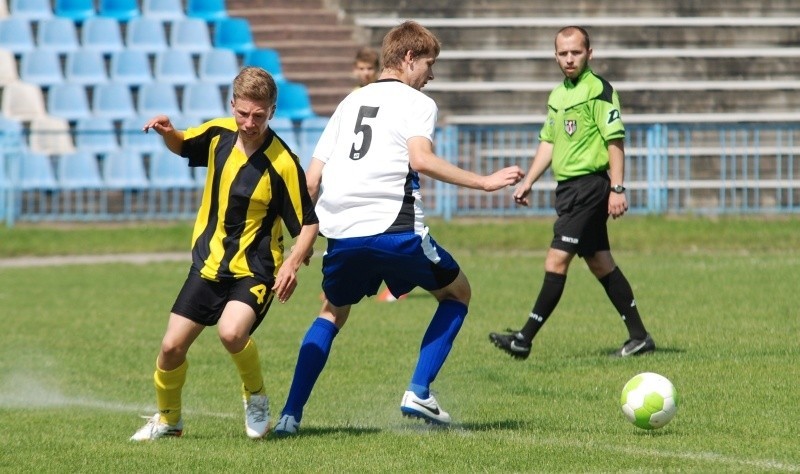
(76, 10)
(3, 9)
(41, 67)
(208, 10)
(68, 101)
(36, 172)
(235, 34)
(102, 34)
(174, 67)
(31, 10)
(50, 135)
(170, 171)
(190, 34)
(203, 100)
(310, 130)
(163, 10)
(146, 34)
(57, 34)
(78, 170)
(120, 10)
(133, 138)
(16, 35)
(218, 66)
(8, 67)
(130, 67)
(23, 101)
(124, 169)
(113, 100)
(293, 101)
(157, 98)
(267, 59)
(97, 135)
(85, 67)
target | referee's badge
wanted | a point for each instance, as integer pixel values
(570, 126)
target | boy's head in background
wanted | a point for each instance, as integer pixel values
(366, 66)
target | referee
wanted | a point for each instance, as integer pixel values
(582, 140)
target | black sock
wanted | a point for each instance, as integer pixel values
(549, 295)
(621, 295)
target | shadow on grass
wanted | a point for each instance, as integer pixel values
(326, 431)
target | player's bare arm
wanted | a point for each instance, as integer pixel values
(286, 279)
(424, 160)
(617, 202)
(173, 138)
(541, 161)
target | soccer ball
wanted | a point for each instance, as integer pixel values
(649, 401)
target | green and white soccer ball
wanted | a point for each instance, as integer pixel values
(649, 401)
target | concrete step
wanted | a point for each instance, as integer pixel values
(269, 33)
(282, 17)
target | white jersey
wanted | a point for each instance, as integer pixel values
(368, 186)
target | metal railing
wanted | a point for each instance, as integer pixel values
(677, 168)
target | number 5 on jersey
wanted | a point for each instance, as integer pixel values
(366, 130)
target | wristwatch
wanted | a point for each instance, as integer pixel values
(619, 189)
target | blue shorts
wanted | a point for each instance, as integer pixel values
(353, 268)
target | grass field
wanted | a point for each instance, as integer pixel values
(719, 296)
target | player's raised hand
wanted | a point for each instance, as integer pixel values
(502, 178)
(160, 123)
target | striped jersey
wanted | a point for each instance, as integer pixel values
(368, 186)
(582, 117)
(246, 202)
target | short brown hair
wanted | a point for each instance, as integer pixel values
(368, 55)
(569, 30)
(256, 84)
(408, 36)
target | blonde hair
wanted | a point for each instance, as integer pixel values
(256, 84)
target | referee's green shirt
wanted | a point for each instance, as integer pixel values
(582, 117)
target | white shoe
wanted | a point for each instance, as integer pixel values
(287, 426)
(155, 429)
(428, 409)
(256, 415)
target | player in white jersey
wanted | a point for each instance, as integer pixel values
(364, 178)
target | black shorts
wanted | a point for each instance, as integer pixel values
(203, 300)
(582, 208)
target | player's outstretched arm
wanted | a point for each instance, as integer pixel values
(173, 138)
(286, 279)
(424, 160)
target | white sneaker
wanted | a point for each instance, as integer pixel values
(155, 429)
(427, 409)
(256, 415)
(287, 426)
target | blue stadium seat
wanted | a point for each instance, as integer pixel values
(200, 173)
(284, 127)
(31, 10)
(16, 35)
(133, 138)
(79, 170)
(267, 59)
(36, 172)
(310, 130)
(146, 34)
(96, 135)
(23, 101)
(218, 66)
(113, 101)
(208, 10)
(57, 34)
(203, 100)
(157, 98)
(68, 101)
(124, 169)
(120, 10)
(293, 101)
(163, 10)
(102, 34)
(85, 67)
(41, 67)
(174, 67)
(190, 34)
(168, 170)
(76, 10)
(130, 67)
(235, 34)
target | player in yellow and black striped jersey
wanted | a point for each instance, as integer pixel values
(254, 186)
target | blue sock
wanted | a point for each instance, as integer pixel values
(436, 345)
(312, 358)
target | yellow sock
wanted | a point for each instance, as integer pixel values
(169, 384)
(249, 369)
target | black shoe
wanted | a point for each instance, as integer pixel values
(634, 347)
(513, 343)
